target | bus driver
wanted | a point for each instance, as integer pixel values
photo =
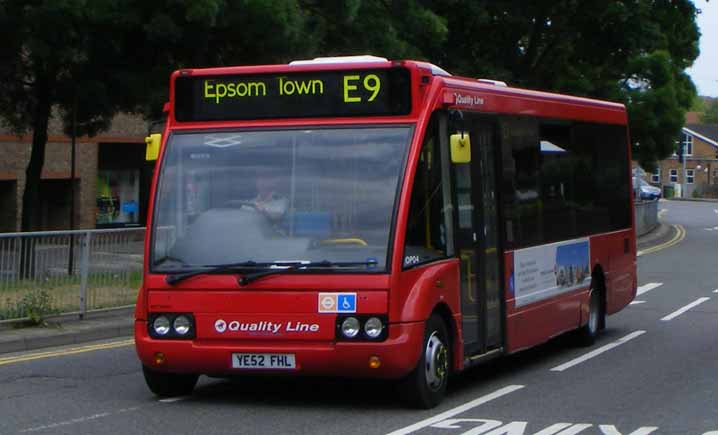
(268, 201)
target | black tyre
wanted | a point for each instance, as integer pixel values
(425, 386)
(596, 319)
(169, 384)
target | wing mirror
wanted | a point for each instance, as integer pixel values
(153, 142)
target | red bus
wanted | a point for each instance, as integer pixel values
(370, 218)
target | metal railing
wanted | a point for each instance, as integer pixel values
(59, 272)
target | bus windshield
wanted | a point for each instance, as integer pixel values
(279, 196)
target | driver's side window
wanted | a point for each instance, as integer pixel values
(425, 232)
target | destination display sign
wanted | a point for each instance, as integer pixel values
(365, 92)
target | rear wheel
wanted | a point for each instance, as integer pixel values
(596, 318)
(169, 384)
(425, 386)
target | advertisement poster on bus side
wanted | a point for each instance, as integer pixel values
(543, 272)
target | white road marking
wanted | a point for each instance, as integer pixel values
(637, 302)
(609, 429)
(482, 426)
(597, 352)
(458, 410)
(78, 420)
(680, 311)
(648, 287)
(715, 210)
(576, 428)
(555, 428)
(715, 291)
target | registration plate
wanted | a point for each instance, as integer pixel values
(263, 361)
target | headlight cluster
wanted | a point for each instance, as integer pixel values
(171, 325)
(364, 327)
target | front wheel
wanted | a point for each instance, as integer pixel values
(425, 386)
(587, 333)
(169, 384)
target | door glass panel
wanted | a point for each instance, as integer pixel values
(466, 246)
(489, 237)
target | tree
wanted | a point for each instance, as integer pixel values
(710, 116)
(56, 56)
(102, 56)
(393, 29)
(633, 51)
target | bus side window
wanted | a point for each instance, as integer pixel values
(520, 185)
(425, 232)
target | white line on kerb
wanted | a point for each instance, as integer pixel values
(597, 352)
(680, 311)
(458, 410)
(648, 287)
(173, 399)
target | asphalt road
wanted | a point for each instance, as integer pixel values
(653, 371)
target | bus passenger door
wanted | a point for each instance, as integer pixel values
(476, 239)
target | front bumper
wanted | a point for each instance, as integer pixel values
(399, 354)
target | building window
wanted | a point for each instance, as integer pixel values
(674, 175)
(656, 176)
(690, 174)
(687, 143)
(118, 198)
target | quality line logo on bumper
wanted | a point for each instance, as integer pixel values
(221, 326)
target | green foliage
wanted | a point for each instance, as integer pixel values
(34, 305)
(699, 104)
(633, 52)
(102, 56)
(710, 116)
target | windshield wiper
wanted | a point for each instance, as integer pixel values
(272, 269)
(301, 265)
(215, 268)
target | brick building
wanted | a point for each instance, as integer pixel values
(701, 178)
(111, 177)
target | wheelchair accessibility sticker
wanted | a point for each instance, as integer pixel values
(337, 302)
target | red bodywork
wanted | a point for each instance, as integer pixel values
(407, 297)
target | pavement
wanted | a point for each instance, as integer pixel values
(656, 237)
(68, 330)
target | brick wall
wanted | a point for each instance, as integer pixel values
(15, 152)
